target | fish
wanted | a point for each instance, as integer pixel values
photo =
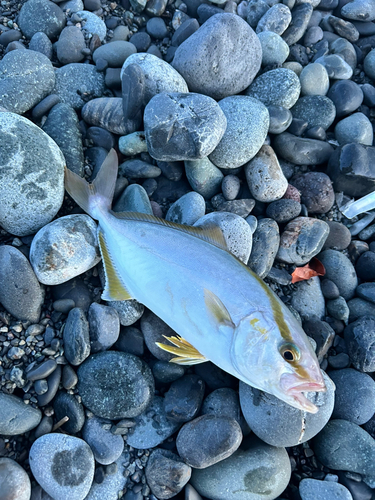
(220, 310)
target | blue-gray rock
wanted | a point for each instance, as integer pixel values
(104, 327)
(301, 15)
(359, 10)
(115, 53)
(184, 398)
(207, 440)
(274, 49)
(16, 417)
(25, 69)
(235, 229)
(355, 395)
(115, 385)
(316, 110)
(302, 239)
(133, 144)
(283, 210)
(359, 307)
(276, 19)
(113, 482)
(64, 248)
(69, 377)
(41, 43)
(308, 299)
(338, 309)
(247, 127)
(63, 465)
(249, 474)
(154, 330)
(100, 138)
(41, 15)
(106, 112)
(75, 79)
(152, 427)
(20, 291)
(336, 67)
(311, 489)
(280, 87)
(167, 372)
(279, 424)
(221, 58)
(159, 76)
(42, 370)
(76, 337)
(15, 482)
(187, 209)
(346, 95)
(222, 402)
(204, 177)
(44, 107)
(166, 473)
(340, 270)
(264, 176)
(280, 119)
(343, 445)
(230, 187)
(354, 128)
(300, 150)
(53, 382)
(138, 169)
(130, 340)
(182, 126)
(66, 405)
(106, 447)
(316, 191)
(70, 45)
(314, 80)
(346, 50)
(93, 24)
(359, 339)
(62, 125)
(266, 240)
(134, 199)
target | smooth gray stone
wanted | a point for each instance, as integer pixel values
(115, 53)
(154, 330)
(106, 112)
(280, 119)
(106, 447)
(336, 67)
(354, 397)
(53, 382)
(249, 474)
(360, 341)
(166, 473)
(182, 126)
(316, 191)
(152, 426)
(301, 240)
(279, 87)
(338, 309)
(63, 465)
(62, 126)
(314, 80)
(187, 210)
(366, 291)
(340, 270)
(138, 169)
(255, 11)
(346, 95)
(20, 292)
(42, 370)
(221, 58)
(355, 128)
(343, 445)
(346, 50)
(41, 43)
(45, 105)
(25, 69)
(115, 385)
(359, 307)
(302, 151)
(70, 45)
(308, 300)
(359, 10)
(184, 398)
(75, 79)
(15, 416)
(93, 24)
(283, 210)
(15, 482)
(266, 240)
(66, 405)
(104, 327)
(230, 187)
(261, 410)
(301, 15)
(317, 110)
(76, 337)
(41, 16)
(222, 402)
(204, 177)
(247, 127)
(311, 489)
(69, 377)
(134, 199)
(276, 19)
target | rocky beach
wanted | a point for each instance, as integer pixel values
(254, 116)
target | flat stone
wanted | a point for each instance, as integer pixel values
(301, 15)
(310, 489)
(359, 10)
(115, 53)
(301, 151)
(279, 87)
(16, 417)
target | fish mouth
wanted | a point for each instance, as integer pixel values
(296, 392)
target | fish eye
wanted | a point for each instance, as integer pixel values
(290, 352)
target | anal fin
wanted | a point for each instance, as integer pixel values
(114, 288)
(185, 352)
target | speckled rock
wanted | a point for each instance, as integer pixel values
(113, 482)
(63, 465)
(20, 291)
(360, 341)
(316, 110)
(15, 482)
(236, 231)
(93, 24)
(310, 489)
(28, 153)
(21, 70)
(308, 299)
(276, 19)
(221, 58)
(316, 191)
(247, 127)
(16, 417)
(41, 16)
(129, 311)
(266, 241)
(76, 337)
(280, 87)
(115, 385)
(262, 410)
(314, 80)
(187, 209)
(355, 128)
(264, 176)
(64, 248)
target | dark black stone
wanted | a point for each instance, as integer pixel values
(133, 88)
(301, 151)
(96, 155)
(173, 170)
(339, 236)
(157, 28)
(186, 29)
(329, 289)
(365, 266)
(298, 126)
(167, 372)
(53, 382)
(166, 473)
(214, 377)
(113, 78)
(369, 95)
(346, 95)
(141, 41)
(76, 337)
(43, 107)
(66, 405)
(322, 333)
(316, 191)
(206, 11)
(358, 489)
(130, 340)
(100, 137)
(316, 132)
(301, 15)
(10, 36)
(297, 53)
(184, 398)
(283, 210)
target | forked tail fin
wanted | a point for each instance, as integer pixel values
(94, 197)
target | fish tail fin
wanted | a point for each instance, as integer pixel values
(94, 197)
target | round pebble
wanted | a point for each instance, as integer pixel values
(204, 177)
(316, 110)
(340, 270)
(15, 482)
(41, 16)
(106, 447)
(310, 489)
(115, 53)
(66, 405)
(316, 191)
(308, 299)
(280, 87)
(166, 473)
(187, 209)
(184, 398)
(314, 80)
(93, 24)
(346, 95)
(274, 49)
(104, 327)
(354, 128)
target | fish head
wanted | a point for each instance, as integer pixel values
(277, 357)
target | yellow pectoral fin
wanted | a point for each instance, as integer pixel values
(114, 289)
(185, 352)
(217, 309)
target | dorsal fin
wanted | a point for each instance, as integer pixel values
(114, 289)
(212, 234)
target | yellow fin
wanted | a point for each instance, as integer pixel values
(186, 353)
(217, 309)
(114, 289)
(212, 234)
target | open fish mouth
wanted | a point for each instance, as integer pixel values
(297, 393)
